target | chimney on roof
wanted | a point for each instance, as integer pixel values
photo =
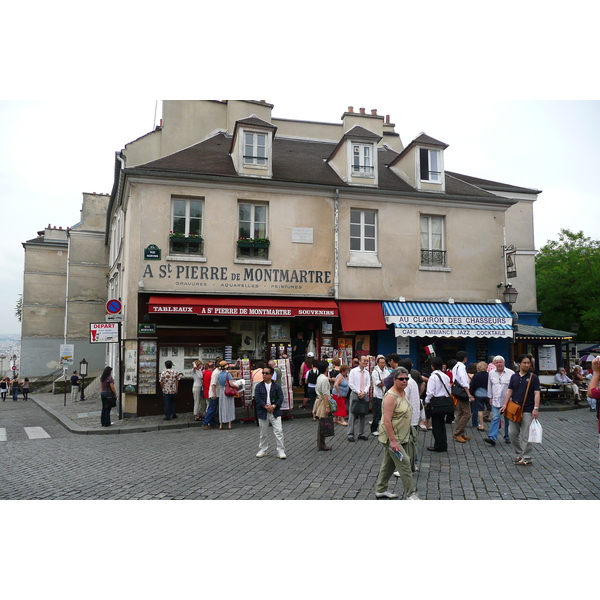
(351, 109)
(387, 118)
(373, 111)
(362, 111)
(263, 101)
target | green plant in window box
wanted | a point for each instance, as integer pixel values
(245, 242)
(261, 242)
(192, 237)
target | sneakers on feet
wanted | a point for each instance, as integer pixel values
(260, 454)
(385, 495)
(413, 497)
(489, 441)
(282, 455)
(524, 462)
(397, 473)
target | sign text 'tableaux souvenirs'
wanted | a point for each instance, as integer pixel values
(248, 277)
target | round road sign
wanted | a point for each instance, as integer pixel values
(113, 307)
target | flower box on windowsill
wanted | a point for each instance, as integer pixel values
(253, 243)
(181, 237)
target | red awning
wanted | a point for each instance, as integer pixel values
(360, 315)
(242, 306)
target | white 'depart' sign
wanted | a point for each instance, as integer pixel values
(104, 333)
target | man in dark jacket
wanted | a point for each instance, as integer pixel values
(268, 397)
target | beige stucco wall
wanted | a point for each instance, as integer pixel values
(220, 272)
(88, 268)
(519, 231)
(44, 281)
(405, 167)
(373, 123)
(473, 240)
(312, 130)
(186, 122)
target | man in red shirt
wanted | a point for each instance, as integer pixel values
(209, 367)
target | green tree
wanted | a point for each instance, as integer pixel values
(568, 282)
(19, 308)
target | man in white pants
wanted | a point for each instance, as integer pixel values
(268, 396)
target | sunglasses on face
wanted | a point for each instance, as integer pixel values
(267, 373)
(402, 378)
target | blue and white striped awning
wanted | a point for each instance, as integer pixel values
(443, 319)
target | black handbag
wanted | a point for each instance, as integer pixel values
(326, 427)
(459, 392)
(441, 405)
(111, 401)
(359, 407)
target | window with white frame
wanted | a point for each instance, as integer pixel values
(252, 230)
(186, 226)
(255, 148)
(363, 230)
(362, 160)
(430, 165)
(432, 241)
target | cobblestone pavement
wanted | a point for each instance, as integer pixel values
(191, 463)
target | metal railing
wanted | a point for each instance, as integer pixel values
(433, 258)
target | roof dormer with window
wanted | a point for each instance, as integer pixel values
(252, 147)
(421, 164)
(354, 159)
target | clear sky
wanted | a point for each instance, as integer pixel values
(516, 100)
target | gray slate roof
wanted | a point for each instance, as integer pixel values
(300, 161)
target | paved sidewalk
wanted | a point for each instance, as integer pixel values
(222, 464)
(84, 417)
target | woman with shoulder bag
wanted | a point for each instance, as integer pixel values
(398, 436)
(108, 395)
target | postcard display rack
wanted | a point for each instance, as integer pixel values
(286, 383)
(147, 358)
(246, 375)
(183, 357)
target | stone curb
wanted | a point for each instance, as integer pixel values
(73, 427)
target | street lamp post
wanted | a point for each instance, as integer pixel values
(510, 297)
(14, 367)
(83, 366)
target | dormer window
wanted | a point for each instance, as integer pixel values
(430, 165)
(255, 148)
(362, 160)
(252, 147)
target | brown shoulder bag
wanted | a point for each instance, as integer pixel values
(514, 410)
